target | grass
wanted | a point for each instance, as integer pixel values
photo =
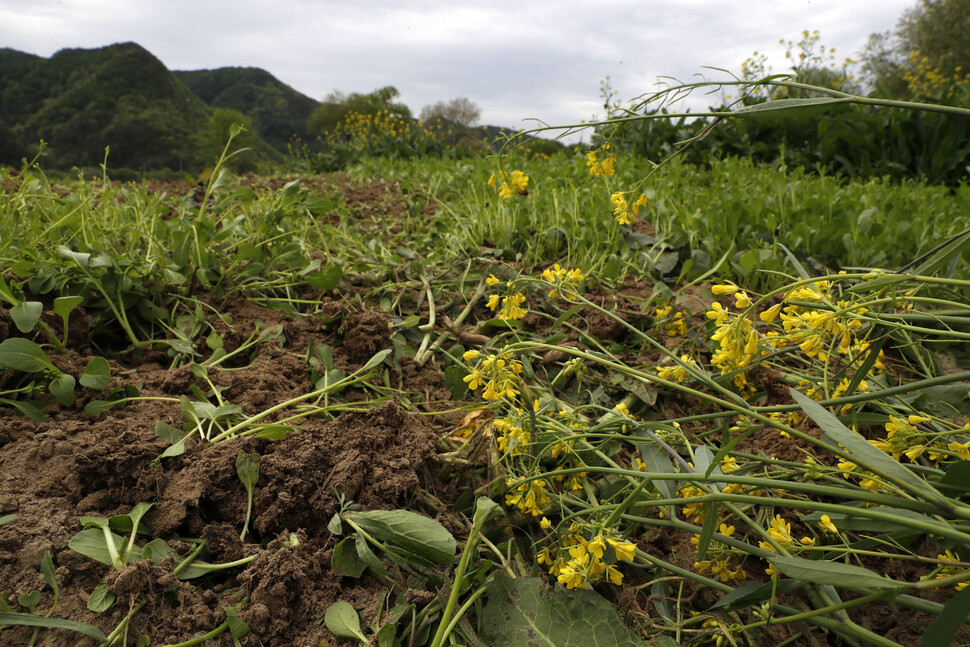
(761, 306)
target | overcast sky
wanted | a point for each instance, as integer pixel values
(515, 59)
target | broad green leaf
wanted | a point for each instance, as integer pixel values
(344, 559)
(237, 627)
(101, 599)
(48, 571)
(7, 518)
(942, 630)
(33, 410)
(96, 374)
(62, 387)
(785, 108)
(24, 355)
(863, 452)
(26, 314)
(64, 305)
(836, 574)
(326, 279)
(367, 556)
(90, 542)
(411, 531)
(341, 619)
(375, 360)
(940, 257)
(95, 407)
(52, 623)
(169, 433)
(247, 469)
(657, 461)
(753, 594)
(81, 258)
(523, 611)
(29, 600)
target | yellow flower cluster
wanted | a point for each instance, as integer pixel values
(952, 565)
(600, 167)
(674, 321)
(676, 373)
(512, 439)
(563, 279)
(580, 562)
(511, 302)
(904, 439)
(926, 81)
(362, 128)
(512, 184)
(528, 496)
(721, 563)
(498, 373)
(624, 213)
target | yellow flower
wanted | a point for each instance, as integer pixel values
(726, 288)
(825, 523)
(640, 202)
(625, 550)
(491, 280)
(597, 546)
(545, 524)
(600, 168)
(962, 449)
(493, 301)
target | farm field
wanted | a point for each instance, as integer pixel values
(473, 402)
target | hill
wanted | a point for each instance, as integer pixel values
(278, 111)
(80, 101)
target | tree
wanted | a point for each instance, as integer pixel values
(462, 111)
(932, 37)
(337, 105)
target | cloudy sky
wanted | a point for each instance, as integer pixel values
(516, 60)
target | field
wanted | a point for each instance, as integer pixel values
(488, 401)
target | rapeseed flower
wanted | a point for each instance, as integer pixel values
(600, 167)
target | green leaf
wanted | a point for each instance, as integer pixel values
(247, 469)
(101, 599)
(62, 387)
(7, 518)
(344, 561)
(785, 108)
(753, 594)
(96, 374)
(411, 531)
(26, 314)
(523, 611)
(341, 619)
(64, 305)
(33, 410)
(375, 360)
(48, 571)
(29, 600)
(80, 258)
(864, 454)
(942, 630)
(52, 623)
(90, 542)
(836, 574)
(24, 355)
(326, 279)
(237, 627)
(367, 556)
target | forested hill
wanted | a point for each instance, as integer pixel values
(80, 101)
(278, 111)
